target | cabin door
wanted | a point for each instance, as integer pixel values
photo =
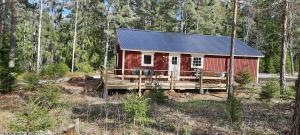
(174, 65)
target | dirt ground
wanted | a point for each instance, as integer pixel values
(184, 112)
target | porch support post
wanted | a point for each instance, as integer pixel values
(257, 70)
(123, 63)
(172, 81)
(201, 83)
(140, 83)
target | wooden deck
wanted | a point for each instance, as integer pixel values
(137, 82)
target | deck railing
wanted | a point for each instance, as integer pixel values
(166, 74)
(199, 77)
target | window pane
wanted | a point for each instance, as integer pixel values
(147, 59)
(197, 61)
(174, 60)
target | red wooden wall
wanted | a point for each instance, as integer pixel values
(133, 61)
(211, 63)
(221, 64)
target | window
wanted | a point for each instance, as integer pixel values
(147, 59)
(197, 62)
(174, 60)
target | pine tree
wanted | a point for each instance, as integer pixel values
(233, 36)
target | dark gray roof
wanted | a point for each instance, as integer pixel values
(141, 40)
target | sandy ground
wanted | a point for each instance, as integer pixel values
(184, 111)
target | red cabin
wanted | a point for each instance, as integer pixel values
(180, 54)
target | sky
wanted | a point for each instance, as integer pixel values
(65, 11)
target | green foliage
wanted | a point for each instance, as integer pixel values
(55, 70)
(233, 111)
(6, 80)
(137, 109)
(198, 105)
(186, 131)
(31, 79)
(158, 96)
(243, 78)
(84, 67)
(49, 97)
(34, 118)
(269, 89)
(290, 93)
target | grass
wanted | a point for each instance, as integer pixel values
(198, 105)
(5, 117)
(78, 74)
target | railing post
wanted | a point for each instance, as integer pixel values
(227, 81)
(201, 83)
(172, 81)
(140, 83)
(105, 93)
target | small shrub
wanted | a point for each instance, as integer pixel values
(243, 78)
(290, 93)
(49, 97)
(7, 80)
(31, 80)
(158, 96)
(233, 111)
(137, 109)
(34, 118)
(84, 67)
(55, 70)
(186, 131)
(269, 89)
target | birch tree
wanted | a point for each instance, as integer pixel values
(75, 38)
(284, 47)
(38, 63)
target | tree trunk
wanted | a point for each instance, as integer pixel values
(181, 16)
(284, 48)
(2, 2)
(185, 23)
(233, 36)
(291, 58)
(38, 63)
(106, 46)
(295, 129)
(75, 37)
(291, 40)
(13, 35)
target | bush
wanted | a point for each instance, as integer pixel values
(233, 111)
(7, 80)
(34, 118)
(55, 71)
(269, 89)
(137, 109)
(31, 80)
(158, 96)
(243, 78)
(84, 67)
(290, 93)
(49, 96)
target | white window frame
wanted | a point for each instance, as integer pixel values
(152, 59)
(197, 56)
